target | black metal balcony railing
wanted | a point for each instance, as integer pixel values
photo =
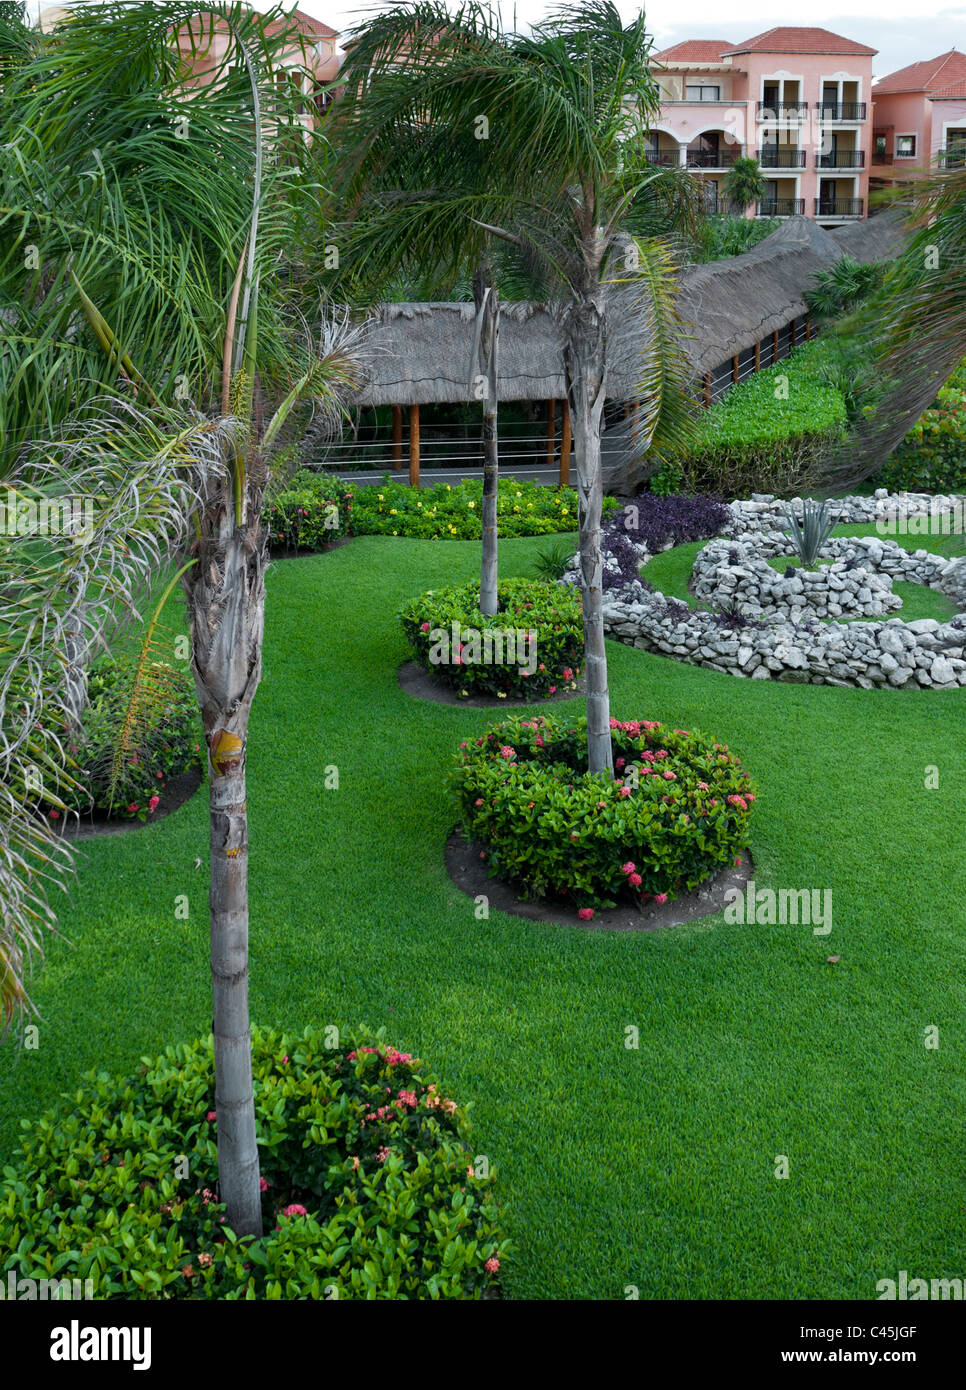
(714, 159)
(880, 157)
(777, 157)
(781, 207)
(782, 110)
(954, 158)
(663, 157)
(839, 207)
(841, 159)
(841, 110)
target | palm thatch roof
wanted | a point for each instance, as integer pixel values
(420, 352)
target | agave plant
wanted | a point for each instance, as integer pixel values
(811, 533)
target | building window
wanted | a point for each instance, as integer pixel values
(701, 92)
(880, 144)
(905, 146)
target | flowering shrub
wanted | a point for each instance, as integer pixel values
(676, 811)
(312, 513)
(932, 457)
(530, 649)
(298, 517)
(169, 739)
(368, 1188)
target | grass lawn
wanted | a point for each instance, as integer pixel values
(651, 1167)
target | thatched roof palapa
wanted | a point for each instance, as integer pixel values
(420, 352)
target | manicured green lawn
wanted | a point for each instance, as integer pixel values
(651, 1167)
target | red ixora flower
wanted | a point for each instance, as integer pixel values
(212, 1116)
(585, 913)
(296, 1209)
(153, 803)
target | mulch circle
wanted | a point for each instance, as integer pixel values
(419, 683)
(179, 789)
(469, 872)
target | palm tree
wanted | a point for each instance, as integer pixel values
(744, 183)
(540, 141)
(150, 342)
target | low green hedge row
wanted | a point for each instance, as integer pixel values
(676, 811)
(369, 1187)
(530, 649)
(767, 433)
(314, 510)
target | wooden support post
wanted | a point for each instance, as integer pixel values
(397, 438)
(565, 446)
(734, 370)
(551, 431)
(758, 356)
(791, 334)
(774, 346)
(707, 389)
(414, 446)
(808, 328)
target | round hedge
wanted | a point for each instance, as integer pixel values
(551, 611)
(675, 814)
(369, 1189)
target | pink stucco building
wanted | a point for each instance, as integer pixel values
(796, 99)
(310, 61)
(919, 120)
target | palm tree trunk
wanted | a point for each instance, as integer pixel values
(488, 306)
(226, 591)
(584, 370)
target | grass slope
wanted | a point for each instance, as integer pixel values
(651, 1167)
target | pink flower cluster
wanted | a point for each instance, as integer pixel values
(631, 874)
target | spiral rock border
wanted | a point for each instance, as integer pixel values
(892, 653)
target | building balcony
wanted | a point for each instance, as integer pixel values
(839, 207)
(781, 207)
(841, 159)
(882, 158)
(665, 158)
(772, 157)
(714, 159)
(782, 111)
(841, 110)
(954, 158)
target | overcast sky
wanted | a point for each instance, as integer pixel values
(888, 25)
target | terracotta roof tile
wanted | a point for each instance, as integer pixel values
(944, 70)
(791, 39)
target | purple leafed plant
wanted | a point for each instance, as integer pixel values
(677, 518)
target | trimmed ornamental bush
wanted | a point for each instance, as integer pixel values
(303, 516)
(369, 1189)
(312, 513)
(676, 812)
(760, 438)
(530, 649)
(169, 742)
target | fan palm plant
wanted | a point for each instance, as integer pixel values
(158, 361)
(538, 140)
